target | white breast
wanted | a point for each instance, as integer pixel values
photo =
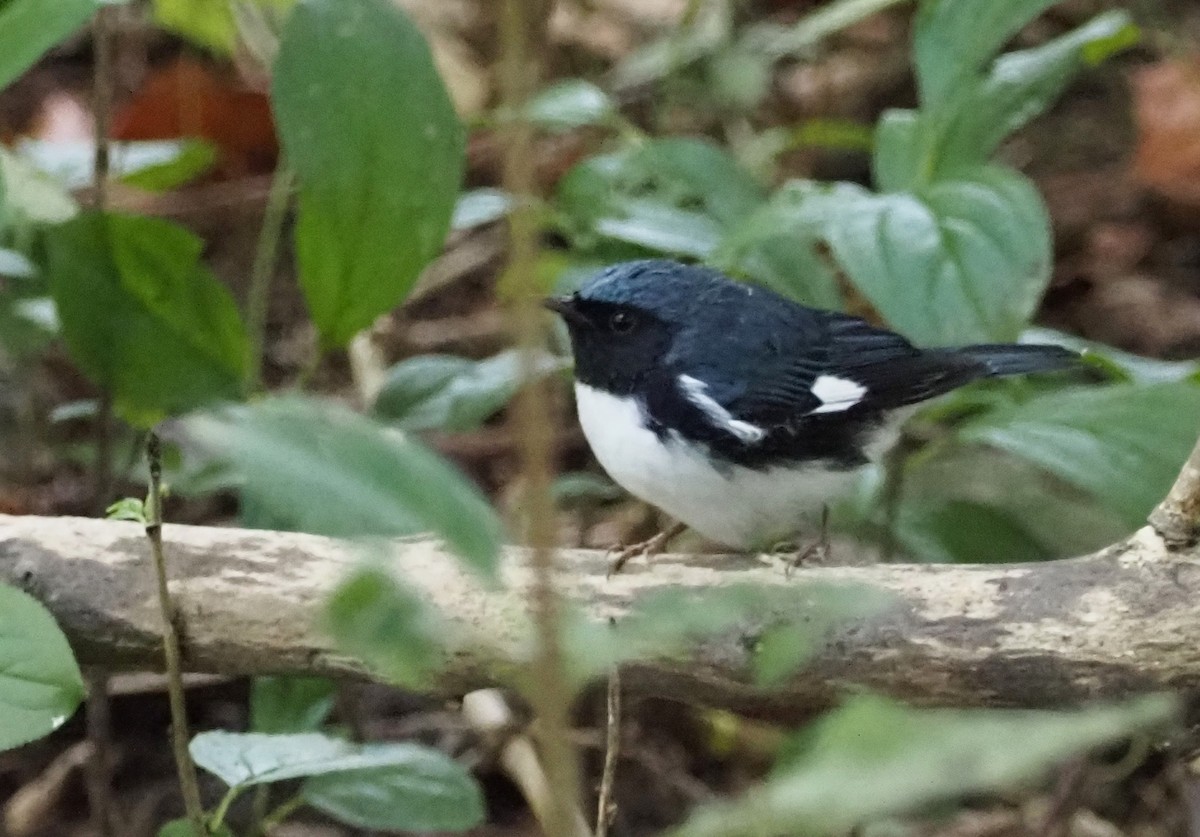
(739, 507)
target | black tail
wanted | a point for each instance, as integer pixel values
(1020, 358)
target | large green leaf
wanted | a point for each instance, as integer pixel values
(30, 27)
(445, 392)
(40, 684)
(142, 316)
(372, 134)
(329, 471)
(428, 792)
(243, 759)
(1125, 443)
(873, 758)
(387, 626)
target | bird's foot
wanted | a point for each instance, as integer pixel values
(648, 547)
(816, 552)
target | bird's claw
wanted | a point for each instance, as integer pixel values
(651, 546)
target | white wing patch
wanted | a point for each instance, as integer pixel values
(695, 391)
(836, 393)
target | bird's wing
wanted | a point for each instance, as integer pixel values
(833, 364)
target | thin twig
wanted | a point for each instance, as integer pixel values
(604, 805)
(522, 44)
(265, 258)
(98, 711)
(188, 782)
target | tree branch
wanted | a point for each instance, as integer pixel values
(1177, 518)
(1117, 622)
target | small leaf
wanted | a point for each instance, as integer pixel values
(192, 158)
(13, 265)
(444, 392)
(30, 27)
(290, 703)
(873, 758)
(569, 104)
(1018, 87)
(479, 207)
(40, 683)
(371, 132)
(31, 196)
(953, 40)
(329, 471)
(430, 792)
(170, 338)
(388, 627)
(1124, 443)
(127, 508)
(208, 23)
(183, 828)
(244, 759)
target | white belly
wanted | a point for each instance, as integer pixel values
(739, 507)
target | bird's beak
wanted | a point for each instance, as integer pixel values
(565, 307)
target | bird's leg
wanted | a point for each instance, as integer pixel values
(818, 549)
(650, 546)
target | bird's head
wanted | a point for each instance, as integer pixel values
(622, 321)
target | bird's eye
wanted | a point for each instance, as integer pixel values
(622, 322)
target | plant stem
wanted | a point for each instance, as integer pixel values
(98, 710)
(218, 817)
(604, 805)
(188, 782)
(522, 31)
(281, 813)
(266, 256)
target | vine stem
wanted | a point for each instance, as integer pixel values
(188, 783)
(522, 34)
(266, 256)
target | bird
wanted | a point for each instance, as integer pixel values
(742, 413)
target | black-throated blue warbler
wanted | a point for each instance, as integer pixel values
(738, 411)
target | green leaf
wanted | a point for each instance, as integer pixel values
(1123, 366)
(965, 261)
(290, 703)
(962, 531)
(148, 164)
(444, 392)
(183, 828)
(953, 40)
(429, 792)
(40, 684)
(1022, 85)
(873, 758)
(244, 759)
(191, 158)
(30, 27)
(30, 196)
(369, 128)
(127, 508)
(208, 23)
(170, 337)
(1124, 443)
(372, 617)
(330, 471)
(569, 104)
(13, 265)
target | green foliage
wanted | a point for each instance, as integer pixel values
(429, 792)
(40, 683)
(170, 338)
(326, 470)
(184, 828)
(30, 27)
(570, 104)
(127, 508)
(873, 758)
(370, 130)
(290, 704)
(444, 392)
(1100, 439)
(385, 625)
